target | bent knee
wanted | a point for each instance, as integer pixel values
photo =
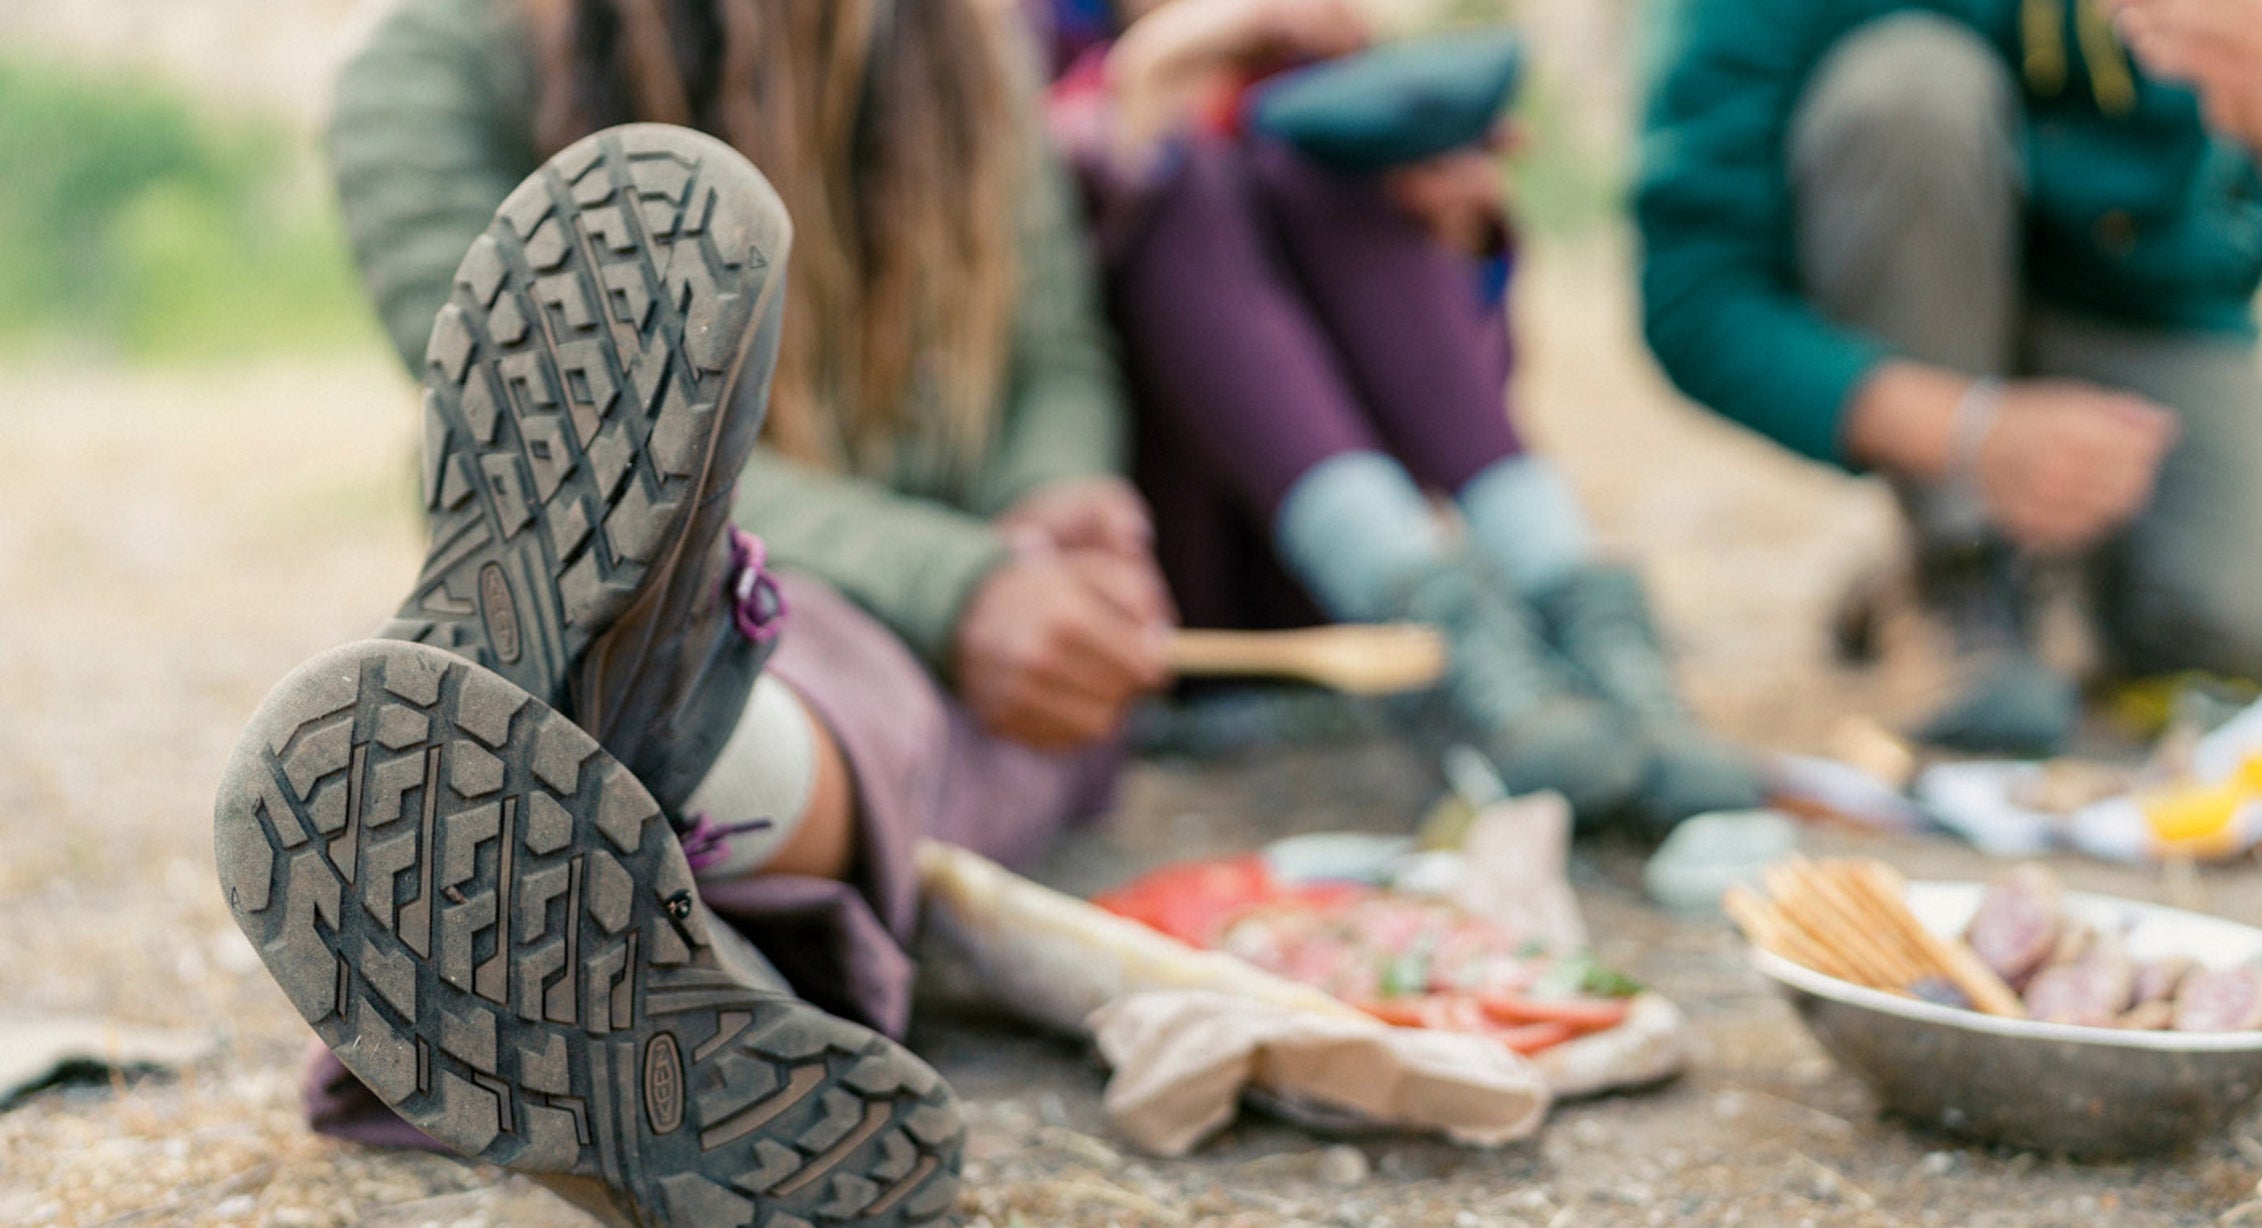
(1913, 84)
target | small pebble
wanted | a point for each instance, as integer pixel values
(1937, 1163)
(1343, 1166)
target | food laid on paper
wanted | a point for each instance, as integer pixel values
(2023, 954)
(1187, 1031)
(1407, 960)
(1054, 959)
(1452, 1001)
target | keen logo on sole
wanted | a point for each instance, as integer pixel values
(500, 614)
(663, 1084)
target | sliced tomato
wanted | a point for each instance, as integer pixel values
(1190, 902)
(1586, 1014)
(1461, 1013)
(1533, 1037)
(1397, 1012)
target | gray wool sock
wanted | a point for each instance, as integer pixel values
(1525, 518)
(1356, 530)
(761, 783)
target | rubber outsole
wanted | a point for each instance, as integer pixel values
(489, 921)
(575, 385)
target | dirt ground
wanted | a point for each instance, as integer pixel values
(172, 543)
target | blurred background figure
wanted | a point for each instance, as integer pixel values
(1978, 249)
(1316, 351)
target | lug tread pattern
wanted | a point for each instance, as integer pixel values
(496, 941)
(572, 387)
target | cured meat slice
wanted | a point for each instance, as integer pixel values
(2224, 1000)
(2159, 980)
(2017, 926)
(2093, 991)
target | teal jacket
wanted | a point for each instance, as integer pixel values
(432, 125)
(2135, 213)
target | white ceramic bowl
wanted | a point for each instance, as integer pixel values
(2088, 1092)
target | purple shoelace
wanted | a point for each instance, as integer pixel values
(703, 839)
(757, 607)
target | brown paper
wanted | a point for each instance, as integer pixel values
(1182, 1059)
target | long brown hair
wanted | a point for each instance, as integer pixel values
(888, 126)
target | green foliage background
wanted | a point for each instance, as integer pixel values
(135, 226)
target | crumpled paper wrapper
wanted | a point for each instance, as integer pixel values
(1182, 1059)
(1187, 1031)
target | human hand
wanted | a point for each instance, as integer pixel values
(1104, 517)
(1461, 198)
(1101, 513)
(1170, 59)
(2215, 45)
(1054, 648)
(2065, 463)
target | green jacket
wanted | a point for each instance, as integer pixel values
(2135, 212)
(432, 126)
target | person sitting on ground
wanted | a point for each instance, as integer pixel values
(1314, 354)
(974, 605)
(1976, 249)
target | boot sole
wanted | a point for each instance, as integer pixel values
(575, 385)
(488, 920)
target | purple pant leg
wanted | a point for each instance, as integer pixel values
(1219, 344)
(1215, 551)
(1429, 357)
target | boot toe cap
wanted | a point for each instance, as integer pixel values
(1575, 749)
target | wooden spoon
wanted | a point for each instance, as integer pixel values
(1379, 659)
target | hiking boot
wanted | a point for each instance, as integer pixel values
(1599, 619)
(487, 918)
(2011, 703)
(592, 390)
(1514, 698)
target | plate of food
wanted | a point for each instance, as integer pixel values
(2016, 1012)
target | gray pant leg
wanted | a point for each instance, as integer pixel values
(2181, 588)
(1905, 164)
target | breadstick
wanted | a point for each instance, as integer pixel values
(1764, 926)
(1875, 908)
(1801, 902)
(1957, 962)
